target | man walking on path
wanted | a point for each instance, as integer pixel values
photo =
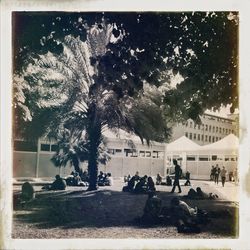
(178, 173)
(223, 176)
(216, 174)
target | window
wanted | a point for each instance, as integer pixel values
(198, 137)
(190, 136)
(209, 138)
(216, 129)
(213, 139)
(205, 137)
(191, 157)
(199, 126)
(25, 146)
(206, 127)
(214, 157)
(54, 147)
(223, 130)
(226, 131)
(194, 136)
(213, 129)
(209, 128)
(216, 138)
(45, 147)
(186, 134)
(220, 130)
(203, 158)
(202, 137)
(190, 124)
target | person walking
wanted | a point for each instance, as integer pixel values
(178, 173)
(187, 183)
(216, 174)
(223, 175)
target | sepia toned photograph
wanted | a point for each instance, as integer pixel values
(125, 125)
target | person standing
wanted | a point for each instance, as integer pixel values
(187, 183)
(223, 176)
(216, 174)
(178, 173)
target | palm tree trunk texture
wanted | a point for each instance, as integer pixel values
(94, 137)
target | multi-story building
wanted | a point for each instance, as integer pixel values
(211, 129)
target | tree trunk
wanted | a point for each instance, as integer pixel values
(94, 137)
(75, 162)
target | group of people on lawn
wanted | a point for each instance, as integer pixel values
(137, 184)
(76, 179)
(186, 218)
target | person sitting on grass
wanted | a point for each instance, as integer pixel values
(58, 184)
(101, 179)
(187, 218)
(130, 186)
(141, 186)
(28, 192)
(108, 180)
(76, 179)
(152, 210)
(150, 185)
(158, 179)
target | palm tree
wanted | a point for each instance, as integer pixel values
(69, 87)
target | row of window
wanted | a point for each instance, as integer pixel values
(128, 152)
(31, 146)
(209, 128)
(199, 137)
(211, 158)
(205, 158)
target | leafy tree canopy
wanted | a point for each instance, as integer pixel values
(201, 46)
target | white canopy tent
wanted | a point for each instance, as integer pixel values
(178, 149)
(199, 159)
(228, 144)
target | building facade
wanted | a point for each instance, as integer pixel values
(211, 129)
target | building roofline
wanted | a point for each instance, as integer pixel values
(216, 116)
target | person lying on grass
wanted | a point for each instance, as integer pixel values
(186, 218)
(200, 195)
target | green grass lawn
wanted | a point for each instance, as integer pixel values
(106, 213)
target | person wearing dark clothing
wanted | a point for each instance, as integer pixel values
(216, 174)
(158, 179)
(28, 192)
(152, 209)
(187, 183)
(150, 185)
(177, 176)
(130, 186)
(58, 184)
(141, 186)
(212, 173)
(168, 181)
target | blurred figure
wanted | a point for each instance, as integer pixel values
(223, 175)
(187, 183)
(158, 179)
